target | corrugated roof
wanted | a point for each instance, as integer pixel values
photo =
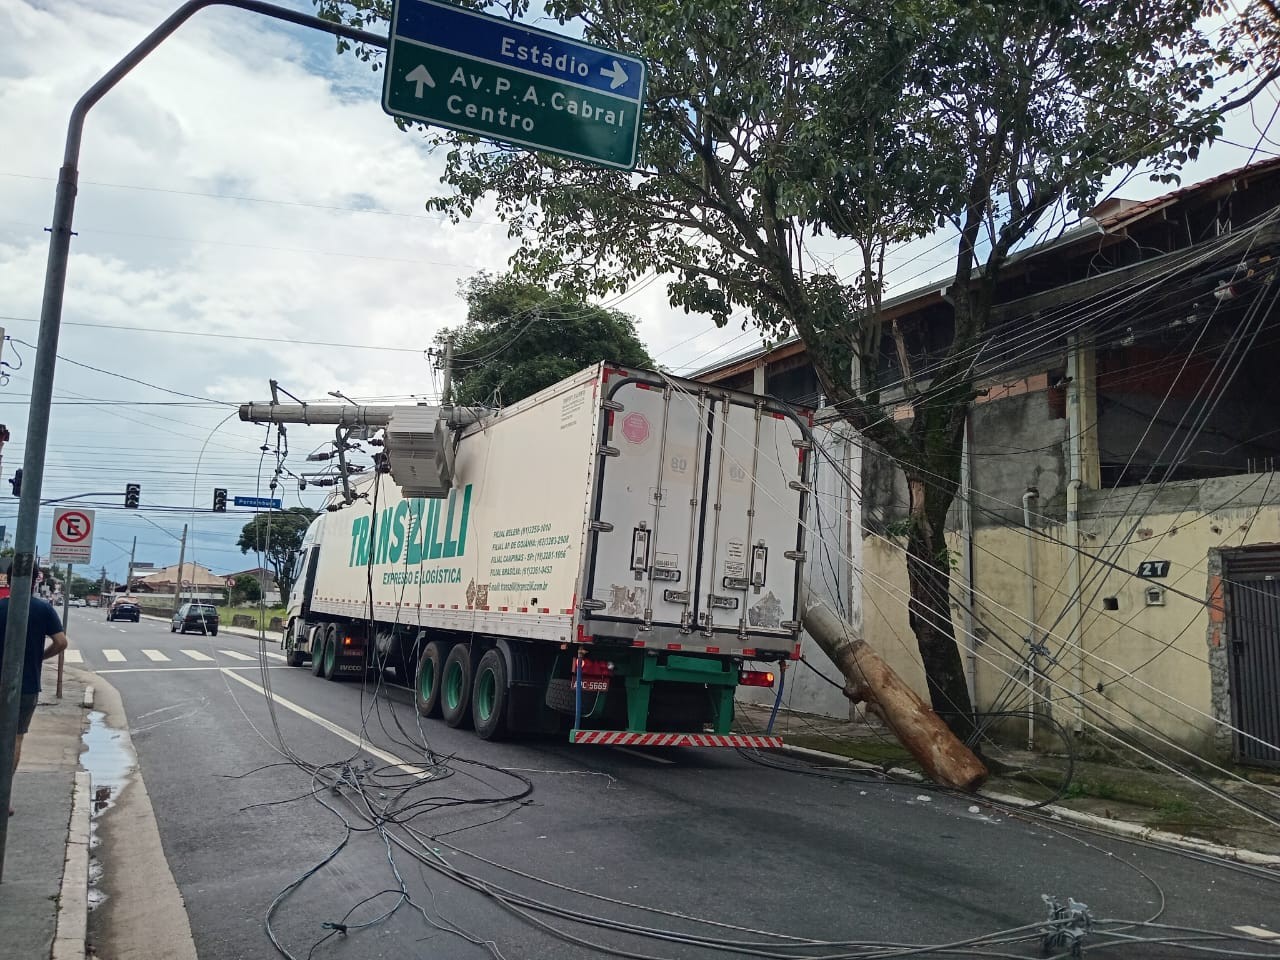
(1113, 214)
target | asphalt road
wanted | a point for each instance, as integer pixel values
(706, 834)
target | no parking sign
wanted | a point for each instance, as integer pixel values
(72, 535)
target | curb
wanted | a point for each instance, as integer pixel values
(1119, 828)
(87, 702)
(69, 939)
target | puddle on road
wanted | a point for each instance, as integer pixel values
(109, 758)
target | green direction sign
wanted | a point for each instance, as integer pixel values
(495, 78)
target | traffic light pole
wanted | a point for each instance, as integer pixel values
(55, 281)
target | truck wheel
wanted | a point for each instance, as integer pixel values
(332, 643)
(293, 656)
(426, 687)
(490, 696)
(317, 650)
(455, 687)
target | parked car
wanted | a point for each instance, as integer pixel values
(125, 610)
(200, 617)
(76, 602)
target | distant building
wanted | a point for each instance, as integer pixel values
(195, 583)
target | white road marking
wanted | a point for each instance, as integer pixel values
(113, 656)
(1260, 932)
(643, 756)
(75, 656)
(197, 655)
(234, 655)
(155, 656)
(274, 656)
(168, 669)
(333, 728)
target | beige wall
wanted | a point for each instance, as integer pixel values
(1152, 661)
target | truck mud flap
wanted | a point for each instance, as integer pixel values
(621, 738)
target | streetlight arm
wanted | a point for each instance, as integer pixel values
(55, 281)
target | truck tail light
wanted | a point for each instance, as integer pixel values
(756, 678)
(593, 668)
(346, 641)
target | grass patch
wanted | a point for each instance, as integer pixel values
(261, 618)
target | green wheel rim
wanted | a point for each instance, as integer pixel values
(426, 679)
(331, 655)
(486, 694)
(453, 685)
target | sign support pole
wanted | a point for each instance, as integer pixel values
(66, 615)
(55, 280)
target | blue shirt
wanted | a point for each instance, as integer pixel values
(43, 621)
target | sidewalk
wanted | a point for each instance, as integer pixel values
(1106, 790)
(45, 889)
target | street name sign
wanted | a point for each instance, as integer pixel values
(499, 79)
(262, 503)
(72, 535)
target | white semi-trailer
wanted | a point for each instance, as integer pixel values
(615, 554)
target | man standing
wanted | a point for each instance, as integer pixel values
(43, 622)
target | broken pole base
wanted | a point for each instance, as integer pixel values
(945, 759)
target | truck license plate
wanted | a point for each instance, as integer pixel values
(595, 686)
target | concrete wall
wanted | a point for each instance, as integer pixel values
(1159, 668)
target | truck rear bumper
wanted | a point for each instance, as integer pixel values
(621, 738)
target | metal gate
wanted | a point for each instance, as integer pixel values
(1253, 601)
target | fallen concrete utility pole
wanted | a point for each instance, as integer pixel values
(946, 760)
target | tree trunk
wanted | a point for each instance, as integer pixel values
(929, 608)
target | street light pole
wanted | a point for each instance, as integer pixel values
(55, 282)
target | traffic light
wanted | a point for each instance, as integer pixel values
(219, 500)
(132, 495)
(16, 482)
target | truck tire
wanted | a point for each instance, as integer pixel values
(426, 685)
(293, 656)
(490, 696)
(332, 642)
(317, 650)
(455, 687)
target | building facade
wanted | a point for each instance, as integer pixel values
(1115, 542)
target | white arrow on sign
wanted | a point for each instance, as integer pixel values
(617, 76)
(419, 76)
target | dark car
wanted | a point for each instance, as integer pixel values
(200, 617)
(124, 610)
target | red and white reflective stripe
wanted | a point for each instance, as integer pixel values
(621, 738)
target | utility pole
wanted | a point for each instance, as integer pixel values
(182, 557)
(128, 581)
(446, 386)
(102, 590)
(55, 283)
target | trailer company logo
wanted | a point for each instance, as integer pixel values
(413, 532)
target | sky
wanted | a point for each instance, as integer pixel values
(246, 212)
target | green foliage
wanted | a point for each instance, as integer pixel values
(277, 536)
(247, 589)
(770, 122)
(520, 338)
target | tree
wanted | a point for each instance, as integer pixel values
(770, 123)
(246, 589)
(277, 536)
(520, 338)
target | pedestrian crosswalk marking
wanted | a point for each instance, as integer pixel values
(113, 656)
(197, 655)
(273, 656)
(235, 655)
(155, 656)
(75, 656)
